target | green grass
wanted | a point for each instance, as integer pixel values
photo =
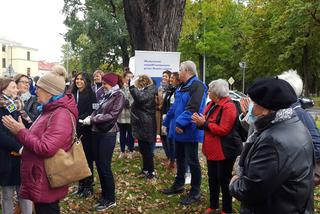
(316, 101)
(136, 195)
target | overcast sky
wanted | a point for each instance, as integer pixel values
(34, 23)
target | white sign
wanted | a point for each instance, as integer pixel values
(231, 80)
(153, 63)
(243, 64)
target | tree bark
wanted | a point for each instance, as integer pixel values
(125, 53)
(201, 63)
(154, 25)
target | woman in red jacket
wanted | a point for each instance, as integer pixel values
(221, 145)
(51, 131)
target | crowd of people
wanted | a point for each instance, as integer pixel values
(271, 171)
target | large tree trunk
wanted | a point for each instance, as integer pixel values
(154, 25)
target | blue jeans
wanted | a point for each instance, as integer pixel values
(7, 200)
(187, 154)
(103, 146)
(126, 137)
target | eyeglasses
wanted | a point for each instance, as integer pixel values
(24, 82)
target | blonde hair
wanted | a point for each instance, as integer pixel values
(98, 72)
(143, 81)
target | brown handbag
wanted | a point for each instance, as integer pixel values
(67, 167)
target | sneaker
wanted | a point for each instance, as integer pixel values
(87, 191)
(173, 190)
(142, 174)
(78, 191)
(208, 211)
(211, 211)
(190, 199)
(99, 202)
(151, 175)
(105, 205)
(121, 155)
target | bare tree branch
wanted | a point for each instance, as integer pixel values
(314, 15)
(113, 9)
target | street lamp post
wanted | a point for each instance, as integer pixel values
(243, 65)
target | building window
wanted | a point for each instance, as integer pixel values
(4, 63)
(3, 48)
(28, 55)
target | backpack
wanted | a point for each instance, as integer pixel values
(243, 133)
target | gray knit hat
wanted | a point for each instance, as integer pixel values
(54, 81)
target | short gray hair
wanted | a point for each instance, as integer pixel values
(189, 67)
(220, 87)
(293, 78)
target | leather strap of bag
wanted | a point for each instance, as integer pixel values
(74, 131)
(74, 135)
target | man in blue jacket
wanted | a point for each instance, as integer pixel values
(190, 97)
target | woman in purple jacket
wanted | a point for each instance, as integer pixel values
(105, 128)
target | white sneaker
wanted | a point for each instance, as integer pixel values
(187, 178)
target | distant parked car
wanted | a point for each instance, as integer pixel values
(234, 95)
(306, 102)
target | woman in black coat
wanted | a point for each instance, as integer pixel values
(10, 149)
(86, 101)
(275, 170)
(143, 121)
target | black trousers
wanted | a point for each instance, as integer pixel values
(47, 208)
(88, 150)
(146, 150)
(220, 173)
(104, 144)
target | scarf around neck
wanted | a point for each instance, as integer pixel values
(53, 98)
(14, 105)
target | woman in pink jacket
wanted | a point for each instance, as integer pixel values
(51, 131)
